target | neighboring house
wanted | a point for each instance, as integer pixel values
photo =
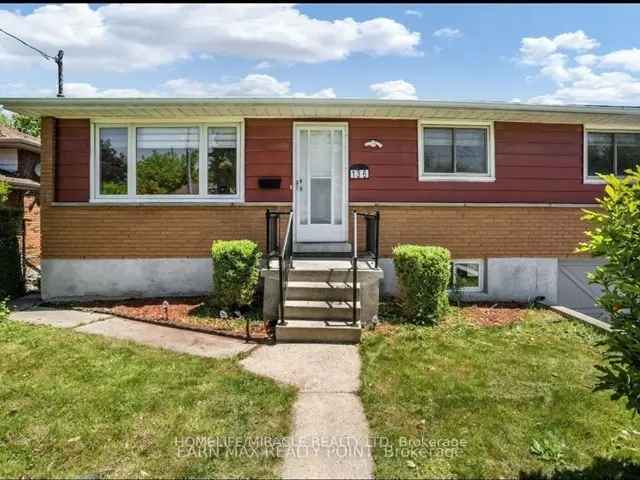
(20, 168)
(135, 190)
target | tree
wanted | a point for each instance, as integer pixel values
(28, 125)
(4, 119)
(168, 173)
(113, 170)
(4, 192)
(22, 123)
(615, 236)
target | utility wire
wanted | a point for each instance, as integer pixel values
(57, 58)
(48, 57)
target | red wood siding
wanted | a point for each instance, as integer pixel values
(535, 163)
(73, 153)
(268, 153)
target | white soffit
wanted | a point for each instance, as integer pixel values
(187, 108)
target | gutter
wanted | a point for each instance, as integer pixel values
(318, 102)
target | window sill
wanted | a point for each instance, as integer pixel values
(593, 181)
(436, 178)
(466, 290)
(165, 200)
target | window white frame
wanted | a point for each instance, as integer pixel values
(203, 171)
(587, 129)
(457, 177)
(476, 261)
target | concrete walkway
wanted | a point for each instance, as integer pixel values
(174, 339)
(330, 430)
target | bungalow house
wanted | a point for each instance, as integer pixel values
(135, 190)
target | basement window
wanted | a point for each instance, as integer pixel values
(456, 153)
(467, 275)
(167, 163)
(609, 152)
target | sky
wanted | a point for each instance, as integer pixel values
(545, 54)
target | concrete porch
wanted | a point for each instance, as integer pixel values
(318, 303)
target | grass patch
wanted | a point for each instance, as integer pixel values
(78, 405)
(518, 395)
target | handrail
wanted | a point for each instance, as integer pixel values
(372, 238)
(284, 263)
(283, 253)
(354, 265)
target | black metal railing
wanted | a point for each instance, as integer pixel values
(371, 252)
(284, 253)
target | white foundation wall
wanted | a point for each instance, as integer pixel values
(126, 278)
(506, 279)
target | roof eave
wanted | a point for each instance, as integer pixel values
(19, 143)
(34, 103)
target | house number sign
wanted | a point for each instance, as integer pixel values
(359, 171)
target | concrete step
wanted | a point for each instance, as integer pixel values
(322, 247)
(328, 291)
(310, 331)
(324, 276)
(320, 310)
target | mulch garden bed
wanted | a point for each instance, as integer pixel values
(483, 314)
(193, 313)
(494, 314)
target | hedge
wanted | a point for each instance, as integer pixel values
(11, 279)
(423, 274)
(236, 272)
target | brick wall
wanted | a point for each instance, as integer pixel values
(31, 206)
(187, 231)
(480, 232)
(146, 231)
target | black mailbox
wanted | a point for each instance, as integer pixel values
(269, 183)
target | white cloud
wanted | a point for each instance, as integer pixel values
(394, 90)
(262, 66)
(587, 59)
(253, 85)
(448, 32)
(586, 79)
(536, 50)
(414, 13)
(88, 90)
(124, 37)
(593, 88)
(577, 40)
(324, 93)
(629, 59)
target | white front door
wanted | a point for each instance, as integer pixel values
(320, 199)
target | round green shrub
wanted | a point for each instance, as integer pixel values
(423, 274)
(236, 272)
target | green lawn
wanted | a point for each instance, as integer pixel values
(77, 405)
(518, 396)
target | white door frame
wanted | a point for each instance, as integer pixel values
(344, 126)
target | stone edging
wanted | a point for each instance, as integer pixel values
(581, 317)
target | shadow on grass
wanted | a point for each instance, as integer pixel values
(617, 469)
